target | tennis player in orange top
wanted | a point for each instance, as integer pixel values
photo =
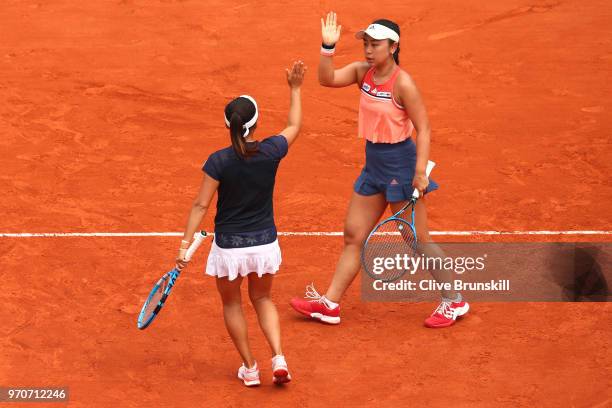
(390, 109)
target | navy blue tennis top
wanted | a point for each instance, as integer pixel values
(245, 211)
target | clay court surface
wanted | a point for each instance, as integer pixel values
(109, 108)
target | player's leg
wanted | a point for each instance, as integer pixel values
(259, 293)
(425, 243)
(452, 305)
(234, 318)
(362, 215)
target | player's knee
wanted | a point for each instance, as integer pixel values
(258, 297)
(230, 299)
(353, 235)
(231, 302)
(423, 236)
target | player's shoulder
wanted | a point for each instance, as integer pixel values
(361, 66)
(273, 139)
(404, 79)
(276, 144)
(221, 153)
(217, 161)
(362, 69)
(221, 156)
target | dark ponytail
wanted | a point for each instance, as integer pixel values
(238, 112)
(396, 53)
(236, 132)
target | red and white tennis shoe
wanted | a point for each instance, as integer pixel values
(280, 371)
(316, 307)
(250, 376)
(446, 314)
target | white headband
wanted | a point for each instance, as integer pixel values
(378, 32)
(251, 122)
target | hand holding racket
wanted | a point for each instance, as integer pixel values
(162, 288)
(420, 182)
(392, 237)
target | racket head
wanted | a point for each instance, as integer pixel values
(390, 238)
(158, 295)
(156, 299)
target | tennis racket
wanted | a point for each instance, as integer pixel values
(388, 251)
(152, 306)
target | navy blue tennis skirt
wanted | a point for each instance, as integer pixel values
(389, 169)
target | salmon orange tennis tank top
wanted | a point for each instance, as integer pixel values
(381, 118)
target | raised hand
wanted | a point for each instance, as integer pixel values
(330, 32)
(295, 75)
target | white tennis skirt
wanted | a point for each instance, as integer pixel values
(234, 262)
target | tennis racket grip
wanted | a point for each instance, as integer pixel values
(430, 166)
(198, 238)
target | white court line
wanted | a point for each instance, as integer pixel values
(300, 233)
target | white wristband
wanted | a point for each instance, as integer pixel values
(327, 51)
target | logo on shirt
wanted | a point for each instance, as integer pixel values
(373, 91)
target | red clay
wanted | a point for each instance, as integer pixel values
(109, 109)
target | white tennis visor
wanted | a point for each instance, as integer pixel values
(247, 126)
(378, 32)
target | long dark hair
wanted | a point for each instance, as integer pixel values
(393, 26)
(238, 112)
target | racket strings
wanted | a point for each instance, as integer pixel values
(154, 301)
(387, 252)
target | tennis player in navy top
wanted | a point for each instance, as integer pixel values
(245, 244)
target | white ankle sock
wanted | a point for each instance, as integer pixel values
(329, 303)
(458, 299)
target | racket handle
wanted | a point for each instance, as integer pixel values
(198, 238)
(430, 166)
